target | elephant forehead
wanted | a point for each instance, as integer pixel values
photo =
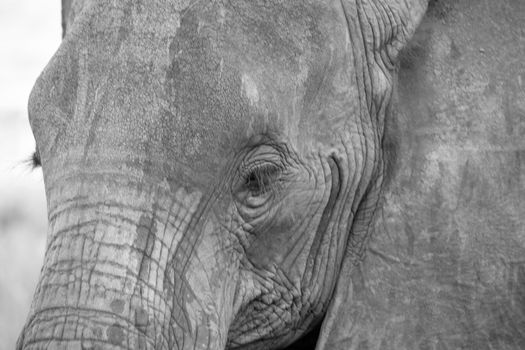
(186, 81)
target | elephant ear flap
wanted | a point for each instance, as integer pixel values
(386, 26)
(402, 19)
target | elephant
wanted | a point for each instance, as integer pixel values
(271, 174)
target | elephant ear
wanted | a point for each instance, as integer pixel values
(444, 266)
(380, 29)
(383, 27)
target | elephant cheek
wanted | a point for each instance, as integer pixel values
(212, 274)
(118, 278)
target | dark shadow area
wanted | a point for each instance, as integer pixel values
(307, 342)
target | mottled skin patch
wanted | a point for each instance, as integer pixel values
(142, 344)
(141, 318)
(117, 306)
(250, 89)
(115, 334)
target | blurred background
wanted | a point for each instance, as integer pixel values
(29, 34)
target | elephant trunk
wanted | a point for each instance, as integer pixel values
(133, 274)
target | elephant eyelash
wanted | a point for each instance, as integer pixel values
(260, 179)
(34, 160)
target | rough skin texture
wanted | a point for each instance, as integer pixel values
(235, 174)
(444, 267)
(208, 167)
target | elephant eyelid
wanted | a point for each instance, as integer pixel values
(258, 179)
(262, 173)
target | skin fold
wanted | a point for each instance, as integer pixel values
(209, 168)
(444, 265)
(282, 175)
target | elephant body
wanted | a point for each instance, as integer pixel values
(255, 175)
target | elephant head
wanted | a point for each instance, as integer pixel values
(209, 168)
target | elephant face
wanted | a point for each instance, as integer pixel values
(208, 166)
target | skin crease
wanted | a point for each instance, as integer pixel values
(204, 164)
(444, 266)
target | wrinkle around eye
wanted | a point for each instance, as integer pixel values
(262, 179)
(254, 202)
(256, 216)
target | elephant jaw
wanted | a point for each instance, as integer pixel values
(123, 277)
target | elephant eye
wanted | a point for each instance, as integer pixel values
(260, 179)
(259, 182)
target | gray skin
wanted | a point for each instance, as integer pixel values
(208, 166)
(445, 264)
(216, 171)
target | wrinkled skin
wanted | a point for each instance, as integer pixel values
(216, 173)
(209, 167)
(444, 267)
